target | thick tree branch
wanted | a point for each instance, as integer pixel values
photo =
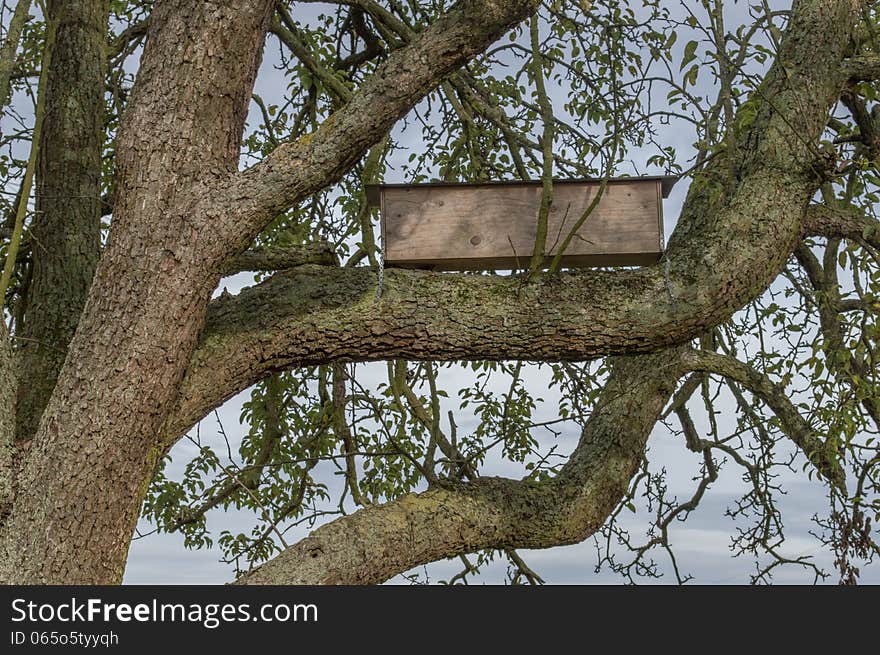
(366, 547)
(277, 258)
(851, 223)
(863, 67)
(96, 447)
(725, 251)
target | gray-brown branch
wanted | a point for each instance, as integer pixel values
(279, 258)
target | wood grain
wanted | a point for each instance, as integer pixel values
(462, 227)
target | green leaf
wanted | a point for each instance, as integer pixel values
(691, 76)
(690, 53)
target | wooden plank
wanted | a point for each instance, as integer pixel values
(461, 227)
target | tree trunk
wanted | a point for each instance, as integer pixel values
(10, 47)
(65, 234)
(96, 446)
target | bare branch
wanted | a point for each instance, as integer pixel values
(285, 30)
(793, 424)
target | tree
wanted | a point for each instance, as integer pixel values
(150, 190)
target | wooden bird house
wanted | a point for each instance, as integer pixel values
(453, 226)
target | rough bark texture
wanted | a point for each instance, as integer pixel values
(821, 221)
(296, 170)
(732, 239)
(97, 444)
(367, 547)
(7, 425)
(278, 258)
(183, 214)
(10, 46)
(864, 67)
(96, 447)
(65, 232)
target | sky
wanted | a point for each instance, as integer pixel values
(701, 544)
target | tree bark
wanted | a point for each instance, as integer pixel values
(278, 258)
(8, 384)
(95, 450)
(183, 213)
(10, 46)
(295, 170)
(368, 547)
(727, 248)
(171, 239)
(850, 223)
(66, 230)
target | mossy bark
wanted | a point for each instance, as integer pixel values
(150, 356)
(65, 234)
(95, 450)
(182, 213)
